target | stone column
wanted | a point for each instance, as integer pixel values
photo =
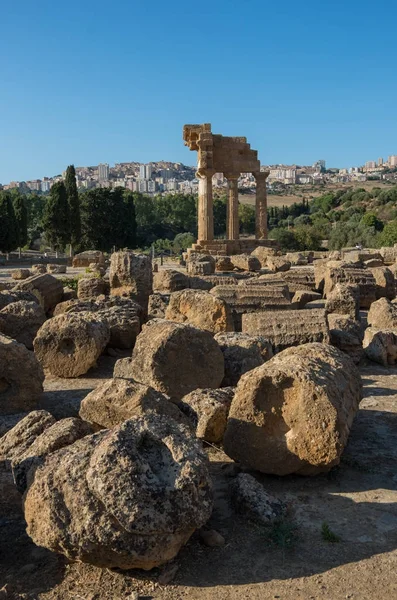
(232, 221)
(205, 207)
(261, 204)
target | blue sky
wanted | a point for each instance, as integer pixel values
(85, 82)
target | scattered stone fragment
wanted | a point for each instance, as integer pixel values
(285, 328)
(47, 289)
(208, 410)
(21, 377)
(200, 309)
(38, 269)
(19, 274)
(347, 335)
(277, 264)
(249, 498)
(70, 344)
(302, 297)
(169, 280)
(246, 262)
(380, 346)
(176, 359)
(242, 352)
(158, 305)
(294, 413)
(56, 269)
(353, 274)
(131, 275)
(117, 400)
(21, 321)
(344, 299)
(211, 538)
(383, 315)
(136, 494)
(91, 287)
(385, 283)
(84, 259)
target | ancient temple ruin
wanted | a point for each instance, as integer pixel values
(230, 156)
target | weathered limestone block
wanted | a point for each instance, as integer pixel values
(246, 262)
(91, 287)
(385, 283)
(136, 494)
(38, 269)
(389, 255)
(169, 280)
(383, 314)
(373, 262)
(65, 306)
(118, 400)
(158, 305)
(84, 259)
(131, 275)
(301, 278)
(277, 264)
(8, 297)
(208, 410)
(122, 315)
(344, 299)
(261, 253)
(19, 274)
(380, 346)
(242, 353)
(21, 377)
(284, 328)
(244, 299)
(57, 436)
(47, 289)
(13, 444)
(315, 304)
(302, 297)
(249, 498)
(272, 280)
(294, 413)
(21, 321)
(353, 275)
(196, 267)
(98, 269)
(68, 294)
(223, 263)
(56, 269)
(201, 283)
(334, 255)
(347, 335)
(70, 344)
(296, 258)
(200, 309)
(319, 268)
(176, 359)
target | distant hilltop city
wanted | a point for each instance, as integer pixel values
(168, 177)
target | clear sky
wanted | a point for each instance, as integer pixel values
(85, 82)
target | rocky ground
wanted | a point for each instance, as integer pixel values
(297, 558)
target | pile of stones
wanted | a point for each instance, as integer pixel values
(256, 354)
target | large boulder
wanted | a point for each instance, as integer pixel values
(47, 289)
(84, 259)
(250, 499)
(246, 262)
(91, 287)
(303, 297)
(344, 299)
(284, 328)
(70, 344)
(131, 275)
(19, 274)
(169, 280)
(7, 297)
(118, 400)
(21, 321)
(385, 283)
(351, 273)
(126, 498)
(201, 309)
(383, 314)
(277, 264)
(380, 346)
(176, 359)
(21, 377)
(262, 253)
(293, 414)
(347, 335)
(242, 353)
(158, 305)
(208, 410)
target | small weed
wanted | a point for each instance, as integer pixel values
(328, 535)
(70, 282)
(283, 533)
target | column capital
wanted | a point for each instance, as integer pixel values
(261, 175)
(232, 176)
(203, 174)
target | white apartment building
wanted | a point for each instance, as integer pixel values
(145, 171)
(393, 160)
(103, 172)
(283, 174)
(45, 186)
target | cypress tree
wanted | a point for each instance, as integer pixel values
(8, 224)
(56, 219)
(74, 207)
(21, 216)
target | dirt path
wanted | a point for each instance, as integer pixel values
(358, 501)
